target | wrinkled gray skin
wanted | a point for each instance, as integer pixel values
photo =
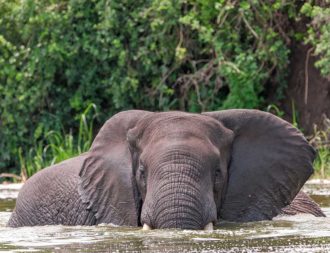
(175, 170)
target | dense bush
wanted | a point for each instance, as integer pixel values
(57, 57)
(319, 32)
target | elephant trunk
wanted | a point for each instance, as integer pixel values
(179, 199)
(178, 208)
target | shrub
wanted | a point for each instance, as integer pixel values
(319, 32)
(60, 56)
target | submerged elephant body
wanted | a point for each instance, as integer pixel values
(51, 197)
(175, 170)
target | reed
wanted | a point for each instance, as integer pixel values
(321, 142)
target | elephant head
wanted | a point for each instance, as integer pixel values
(183, 170)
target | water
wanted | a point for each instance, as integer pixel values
(301, 233)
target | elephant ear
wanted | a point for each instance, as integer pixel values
(270, 161)
(106, 184)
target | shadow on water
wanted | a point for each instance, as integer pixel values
(301, 233)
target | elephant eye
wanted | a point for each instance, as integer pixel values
(217, 173)
(141, 177)
(141, 180)
(142, 171)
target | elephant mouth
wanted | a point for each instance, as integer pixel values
(208, 227)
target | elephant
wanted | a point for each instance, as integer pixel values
(175, 170)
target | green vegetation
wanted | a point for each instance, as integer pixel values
(319, 32)
(58, 57)
(321, 141)
(58, 146)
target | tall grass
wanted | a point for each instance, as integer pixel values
(57, 146)
(321, 142)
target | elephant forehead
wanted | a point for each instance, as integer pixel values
(188, 153)
(178, 124)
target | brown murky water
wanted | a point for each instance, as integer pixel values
(301, 233)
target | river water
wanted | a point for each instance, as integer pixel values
(301, 233)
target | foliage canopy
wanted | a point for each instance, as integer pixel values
(57, 57)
